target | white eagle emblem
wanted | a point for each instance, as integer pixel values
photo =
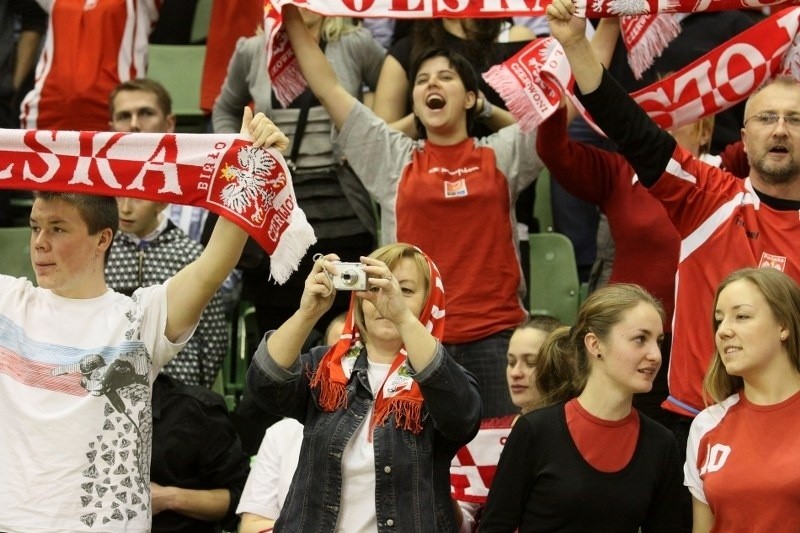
(250, 184)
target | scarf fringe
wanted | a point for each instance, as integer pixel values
(290, 83)
(664, 28)
(332, 394)
(292, 246)
(407, 414)
(518, 102)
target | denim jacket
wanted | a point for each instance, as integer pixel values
(412, 472)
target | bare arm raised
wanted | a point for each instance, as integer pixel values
(391, 95)
(603, 43)
(190, 290)
(646, 146)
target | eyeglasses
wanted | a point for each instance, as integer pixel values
(770, 119)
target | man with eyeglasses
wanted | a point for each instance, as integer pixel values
(770, 119)
(725, 223)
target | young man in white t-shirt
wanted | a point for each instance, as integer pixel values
(77, 361)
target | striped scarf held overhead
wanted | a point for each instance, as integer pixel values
(648, 26)
(645, 35)
(532, 81)
(223, 173)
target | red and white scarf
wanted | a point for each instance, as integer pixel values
(648, 26)
(645, 36)
(399, 394)
(531, 82)
(222, 173)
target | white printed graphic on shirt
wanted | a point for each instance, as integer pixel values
(716, 456)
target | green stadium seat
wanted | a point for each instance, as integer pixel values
(543, 204)
(180, 69)
(554, 285)
(15, 258)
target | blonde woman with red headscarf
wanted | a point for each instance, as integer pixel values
(384, 409)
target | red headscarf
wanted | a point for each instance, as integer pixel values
(399, 394)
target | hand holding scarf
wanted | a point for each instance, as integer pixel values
(645, 34)
(243, 182)
(533, 81)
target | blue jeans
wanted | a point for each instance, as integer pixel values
(486, 359)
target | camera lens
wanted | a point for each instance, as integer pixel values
(349, 277)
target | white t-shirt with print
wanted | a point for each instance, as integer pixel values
(75, 398)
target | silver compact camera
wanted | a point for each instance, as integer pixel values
(349, 277)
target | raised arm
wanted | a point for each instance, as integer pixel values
(570, 31)
(605, 39)
(585, 171)
(235, 91)
(603, 43)
(391, 95)
(190, 290)
(285, 343)
(315, 67)
(390, 303)
(646, 146)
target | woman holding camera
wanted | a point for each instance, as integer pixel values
(450, 194)
(335, 203)
(380, 427)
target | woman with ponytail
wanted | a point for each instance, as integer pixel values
(586, 460)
